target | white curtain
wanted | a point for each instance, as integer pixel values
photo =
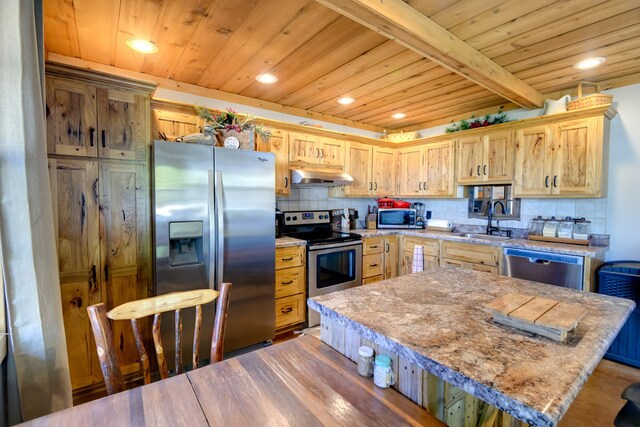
(26, 220)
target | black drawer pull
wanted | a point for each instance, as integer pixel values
(373, 265)
(287, 283)
(104, 139)
(287, 259)
(286, 310)
(555, 181)
(373, 247)
(546, 181)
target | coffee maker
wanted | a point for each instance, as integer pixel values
(338, 214)
(420, 219)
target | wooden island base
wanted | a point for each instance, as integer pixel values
(446, 402)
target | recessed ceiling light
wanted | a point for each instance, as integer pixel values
(142, 46)
(266, 78)
(589, 63)
(345, 100)
(399, 115)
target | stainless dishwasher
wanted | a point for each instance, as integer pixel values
(544, 267)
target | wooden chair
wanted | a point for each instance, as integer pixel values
(155, 306)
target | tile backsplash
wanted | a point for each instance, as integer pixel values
(594, 210)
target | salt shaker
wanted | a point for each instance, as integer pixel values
(383, 376)
(365, 361)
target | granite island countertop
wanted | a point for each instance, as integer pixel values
(560, 248)
(432, 319)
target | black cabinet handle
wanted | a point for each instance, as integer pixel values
(287, 259)
(424, 185)
(104, 138)
(286, 310)
(92, 133)
(287, 283)
(546, 181)
(317, 153)
(322, 153)
(387, 247)
(420, 185)
(484, 169)
(478, 170)
(555, 181)
(373, 265)
(106, 273)
(94, 279)
(286, 182)
(376, 185)
(370, 185)
(373, 247)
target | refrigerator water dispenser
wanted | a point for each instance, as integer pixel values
(185, 243)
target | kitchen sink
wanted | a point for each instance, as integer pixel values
(484, 236)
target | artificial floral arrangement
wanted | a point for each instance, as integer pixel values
(472, 123)
(229, 120)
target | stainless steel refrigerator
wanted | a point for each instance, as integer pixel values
(214, 222)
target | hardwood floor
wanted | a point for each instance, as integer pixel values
(599, 401)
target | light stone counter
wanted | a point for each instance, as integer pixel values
(434, 319)
(588, 251)
(285, 242)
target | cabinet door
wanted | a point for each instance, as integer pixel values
(122, 124)
(74, 195)
(304, 148)
(470, 155)
(410, 171)
(576, 159)
(71, 118)
(124, 247)
(384, 171)
(173, 124)
(391, 256)
(438, 165)
(358, 165)
(533, 161)
(332, 152)
(278, 144)
(498, 157)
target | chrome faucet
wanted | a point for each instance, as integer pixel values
(491, 228)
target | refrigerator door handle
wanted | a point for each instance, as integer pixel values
(219, 209)
(212, 234)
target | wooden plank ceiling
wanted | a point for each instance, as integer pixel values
(320, 55)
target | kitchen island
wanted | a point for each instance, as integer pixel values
(449, 355)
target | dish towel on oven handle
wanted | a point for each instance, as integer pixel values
(418, 262)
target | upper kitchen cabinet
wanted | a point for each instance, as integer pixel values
(171, 121)
(486, 158)
(278, 144)
(372, 169)
(89, 115)
(563, 159)
(427, 170)
(315, 150)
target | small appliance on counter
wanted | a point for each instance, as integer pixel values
(397, 218)
(349, 215)
(278, 223)
(421, 220)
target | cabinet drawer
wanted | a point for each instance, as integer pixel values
(374, 279)
(290, 310)
(470, 252)
(373, 245)
(289, 257)
(372, 265)
(290, 281)
(431, 247)
(470, 265)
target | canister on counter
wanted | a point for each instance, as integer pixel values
(365, 361)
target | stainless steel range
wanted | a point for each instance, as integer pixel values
(334, 258)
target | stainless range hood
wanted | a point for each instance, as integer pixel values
(307, 178)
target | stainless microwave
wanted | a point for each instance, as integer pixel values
(397, 218)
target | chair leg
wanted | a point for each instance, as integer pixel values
(106, 350)
(220, 324)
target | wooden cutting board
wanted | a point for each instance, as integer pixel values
(542, 316)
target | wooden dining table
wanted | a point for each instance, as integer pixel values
(301, 382)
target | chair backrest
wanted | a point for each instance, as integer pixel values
(155, 306)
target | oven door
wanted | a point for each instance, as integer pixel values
(332, 267)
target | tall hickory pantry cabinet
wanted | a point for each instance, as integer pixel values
(97, 139)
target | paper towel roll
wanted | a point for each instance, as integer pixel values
(417, 264)
(442, 223)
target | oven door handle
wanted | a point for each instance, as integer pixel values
(336, 245)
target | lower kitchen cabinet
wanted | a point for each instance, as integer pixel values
(290, 287)
(430, 251)
(379, 259)
(102, 238)
(472, 256)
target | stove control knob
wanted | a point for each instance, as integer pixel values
(295, 218)
(288, 218)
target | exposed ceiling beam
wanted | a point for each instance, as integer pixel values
(398, 21)
(206, 92)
